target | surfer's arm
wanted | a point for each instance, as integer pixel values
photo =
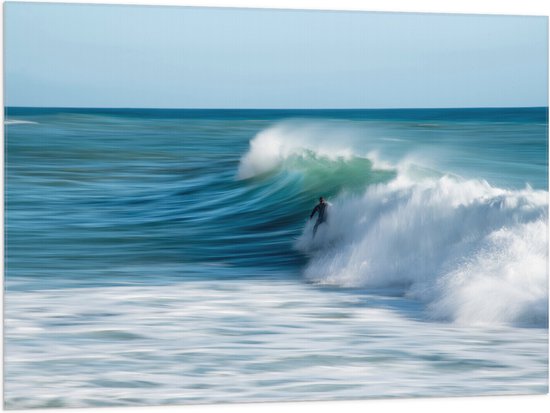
(314, 211)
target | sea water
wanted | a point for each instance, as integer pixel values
(166, 256)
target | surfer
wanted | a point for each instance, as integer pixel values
(320, 209)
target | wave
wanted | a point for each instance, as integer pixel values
(472, 252)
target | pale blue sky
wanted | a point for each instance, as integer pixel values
(176, 57)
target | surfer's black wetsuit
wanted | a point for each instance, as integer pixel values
(320, 208)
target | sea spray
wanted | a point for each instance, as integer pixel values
(289, 140)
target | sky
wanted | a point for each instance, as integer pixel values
(75, 55)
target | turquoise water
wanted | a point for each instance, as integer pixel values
(164, 256)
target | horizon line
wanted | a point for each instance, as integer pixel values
(273, 108)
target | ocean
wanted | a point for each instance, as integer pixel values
(166, 256)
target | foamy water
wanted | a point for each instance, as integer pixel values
(205, 341)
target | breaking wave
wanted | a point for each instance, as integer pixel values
(472, 252)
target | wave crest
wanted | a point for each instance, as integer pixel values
(294, 139)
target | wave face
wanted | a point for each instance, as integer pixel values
(472, 252)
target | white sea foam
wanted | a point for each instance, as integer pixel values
(472, 252)
(238, 340)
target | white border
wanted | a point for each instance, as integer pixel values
(516, 7)
(531, 404)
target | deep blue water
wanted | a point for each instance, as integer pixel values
(521, 115)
